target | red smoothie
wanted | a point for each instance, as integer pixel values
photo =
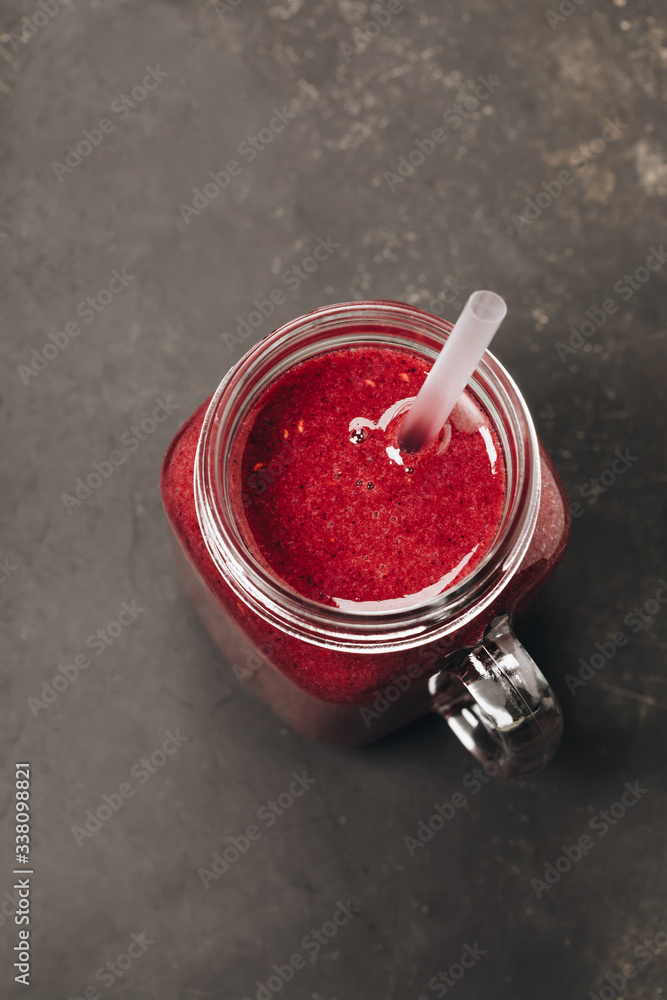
(328, 502)
(319, 496)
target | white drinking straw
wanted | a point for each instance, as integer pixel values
(473, 332)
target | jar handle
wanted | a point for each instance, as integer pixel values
(500, 705)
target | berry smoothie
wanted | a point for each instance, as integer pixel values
(328, 502)
(317, 558)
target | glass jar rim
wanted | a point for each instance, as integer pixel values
(319, 332)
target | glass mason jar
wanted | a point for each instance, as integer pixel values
(349, 677)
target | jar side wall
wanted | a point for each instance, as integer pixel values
(552, 532)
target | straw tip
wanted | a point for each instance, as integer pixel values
(488, 306)
(413, 439)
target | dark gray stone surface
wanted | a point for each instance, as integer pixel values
(448, 225)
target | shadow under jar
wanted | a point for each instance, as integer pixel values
(346, 676)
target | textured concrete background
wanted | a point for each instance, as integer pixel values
(442, 232)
